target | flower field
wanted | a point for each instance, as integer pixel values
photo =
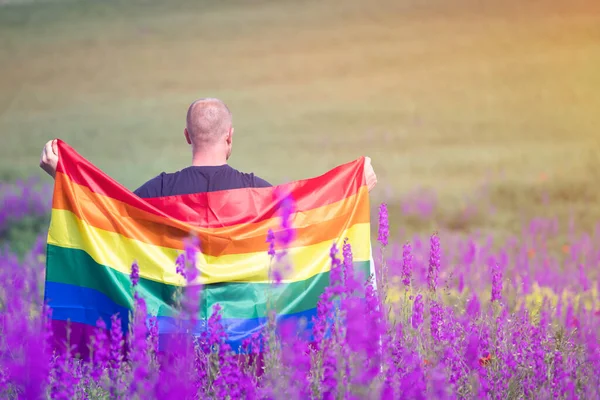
(453, 317)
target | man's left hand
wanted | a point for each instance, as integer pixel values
(370, 174)
(49, 158)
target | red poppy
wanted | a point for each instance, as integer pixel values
(483, 361)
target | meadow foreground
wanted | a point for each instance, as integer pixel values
(458, 318)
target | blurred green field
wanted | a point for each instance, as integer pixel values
(442, 95)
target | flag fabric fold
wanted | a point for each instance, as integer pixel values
(99, 228)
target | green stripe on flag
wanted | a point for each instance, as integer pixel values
(237, 299)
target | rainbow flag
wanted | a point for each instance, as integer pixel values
(99, 228)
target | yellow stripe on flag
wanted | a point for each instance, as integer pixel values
(158, 263)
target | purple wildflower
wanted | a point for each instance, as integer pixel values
(286, 235)
(434, 262)
(461, 282)
(101, 350)
(335, 277)
(180, 265)
(116, 356)
(439, 384)
(436, 321)
(192, 248)
(153, 337)
(413, 383)
(417, 316)
(296, 358)
(226, 384)
(472, 350)
(178, 377)
(64, 381)
(558, 312)
(583, 279)
(348, 263)
(116, 339)
(329, 382)
(376, 322)
(325, 305)
(569, 314)
(139, 351)
(351, 282)
(558, 377)
(271, 241)
(320, 322)
(135, 274)
(384, 227)
(186, 267)
(287, 208)
(277, 277)
(496, 283)
(406, 264)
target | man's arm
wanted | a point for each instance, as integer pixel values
(152, 188)
(259, 182)
(49, 158)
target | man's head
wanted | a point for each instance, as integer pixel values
(209, 128)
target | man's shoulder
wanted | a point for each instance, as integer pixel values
(152, 188)
(251, 180)
(176, 182)
(260, 182)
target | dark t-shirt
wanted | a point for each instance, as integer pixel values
(199, 180)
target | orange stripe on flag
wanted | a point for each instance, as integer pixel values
(311, 227)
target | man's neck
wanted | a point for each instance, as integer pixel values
(207, 160)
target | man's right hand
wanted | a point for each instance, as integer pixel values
(49, 158)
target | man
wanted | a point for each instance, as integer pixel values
(209, 131)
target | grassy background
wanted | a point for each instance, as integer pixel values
(451, 96)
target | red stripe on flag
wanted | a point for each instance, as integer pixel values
(223, 208)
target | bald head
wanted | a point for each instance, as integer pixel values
(208, 120)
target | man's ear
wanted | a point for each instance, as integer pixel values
(230, 136)
(187, 136)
